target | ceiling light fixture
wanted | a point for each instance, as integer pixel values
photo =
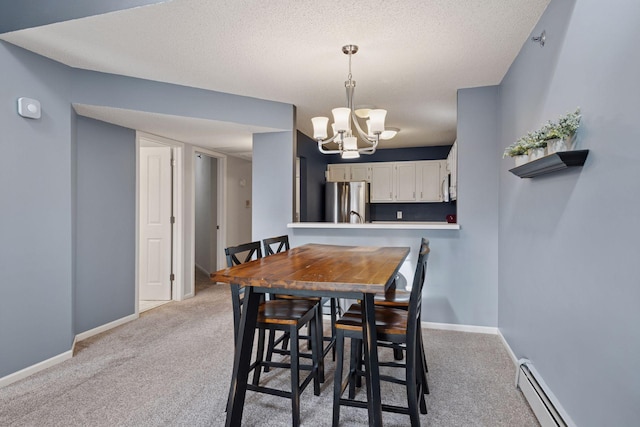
(343, 134)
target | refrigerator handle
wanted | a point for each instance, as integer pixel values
(356, 214)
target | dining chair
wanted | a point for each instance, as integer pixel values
(272, 246)
(398, 327)
(282, 315)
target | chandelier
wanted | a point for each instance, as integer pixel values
(343, 117)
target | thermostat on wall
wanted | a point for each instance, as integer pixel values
(29, 108)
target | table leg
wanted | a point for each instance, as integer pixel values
(371, 361)
(242, 358)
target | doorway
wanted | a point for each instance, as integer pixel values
(207, 227)
(159, 259)
(209, 213)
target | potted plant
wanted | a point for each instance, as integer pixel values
(535, 143)
(561, 135)
(517, 150)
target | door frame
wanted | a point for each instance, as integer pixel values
(178, 286)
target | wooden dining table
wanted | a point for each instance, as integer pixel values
(353, 272)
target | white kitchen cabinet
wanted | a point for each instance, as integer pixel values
(396, 182)
(381, 189)
(431, 176)
(359, 172)
(405, 182)
(348, 172)
(452, 169)
(338, 172)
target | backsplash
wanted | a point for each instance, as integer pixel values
(412, 211)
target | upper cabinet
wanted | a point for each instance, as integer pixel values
(348, 172)
(452, 170)
(405, 182)
(397, 182)
(431, 181)
(381, 182)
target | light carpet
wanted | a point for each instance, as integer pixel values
(172, 367)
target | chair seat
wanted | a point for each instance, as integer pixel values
(284, 312)
(395, 298)
(391, 321)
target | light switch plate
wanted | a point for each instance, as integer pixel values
(29, 108)
(398, 214)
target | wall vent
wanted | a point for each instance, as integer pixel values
(533, 388)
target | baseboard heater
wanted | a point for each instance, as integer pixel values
(533, 389)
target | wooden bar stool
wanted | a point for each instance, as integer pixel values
(282, 315)
(395, 326)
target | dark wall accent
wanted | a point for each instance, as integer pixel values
(438, 152)
(313, 165)
(412, 211)
(105, 224)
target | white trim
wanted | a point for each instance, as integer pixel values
(106, 327)
(30, 370)
(200, 268)
(514, 359)
(461, 328)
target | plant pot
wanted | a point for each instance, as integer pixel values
(521, 160)
(535, 153)
(557, 145)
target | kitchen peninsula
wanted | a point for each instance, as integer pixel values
(379, 225)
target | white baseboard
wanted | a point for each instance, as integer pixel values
(30, 370)
(461, 328)
(202, 269)
(514, 359)
(105, 327)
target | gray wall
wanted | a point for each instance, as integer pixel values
(239, 216)
(17, 15)
(36, 192)
(104, 224)
(569, 277)
(273, 176)
(54, 282)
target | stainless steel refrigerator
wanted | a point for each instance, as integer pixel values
(347, 202)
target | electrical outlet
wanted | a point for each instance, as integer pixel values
(399, 215)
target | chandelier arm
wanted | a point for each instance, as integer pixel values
(328, 140)
(361, 132)
(368, 150)
(323, 151)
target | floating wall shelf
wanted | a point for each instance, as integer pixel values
(551, 163)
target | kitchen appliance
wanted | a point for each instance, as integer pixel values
(347, 202)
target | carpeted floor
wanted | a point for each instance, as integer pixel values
(172, 367)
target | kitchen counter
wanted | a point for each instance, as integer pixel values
(380, 225)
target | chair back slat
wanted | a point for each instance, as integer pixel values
(282, 243)
(250, 250)
(237, 293)
(415, 298)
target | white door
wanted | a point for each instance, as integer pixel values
(155, 223)
(338, 173)
(360, 172)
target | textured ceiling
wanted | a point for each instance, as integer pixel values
(413, 56)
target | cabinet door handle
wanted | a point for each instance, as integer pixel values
(414, 194)
(390, 196)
